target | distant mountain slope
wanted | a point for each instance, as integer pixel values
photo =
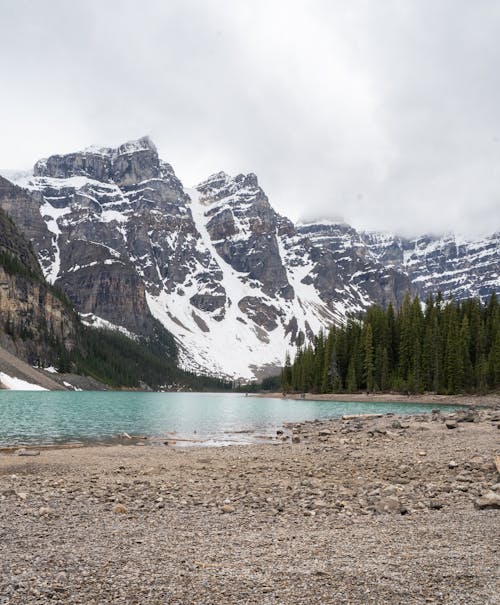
(234, 282)
(458, 266)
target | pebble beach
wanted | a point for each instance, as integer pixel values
(369, 509)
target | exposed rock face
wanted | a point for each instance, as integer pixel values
(114, 292)
(23, 207)
(235, 282)
(129, 164)
(242, 226)
(263, 315)
(32, 316)
(343, 264)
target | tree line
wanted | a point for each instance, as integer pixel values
(119, 361)
(443, 346)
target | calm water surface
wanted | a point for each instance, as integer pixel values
(64, 416)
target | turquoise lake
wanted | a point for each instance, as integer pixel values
(216, 419)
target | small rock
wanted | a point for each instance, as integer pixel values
(295, 439)
(388, 505)
(422, 453)
(452, 464)
(488, 500)
(324, 433)
(22, 495)
(319, 504)
(25, 452)
(468, 416)
(120, 508)
(451, 424)
(435, 504)
(228, 508)
(45, 511)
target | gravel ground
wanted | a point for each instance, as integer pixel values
(362, 510)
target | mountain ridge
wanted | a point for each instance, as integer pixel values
(119, 233)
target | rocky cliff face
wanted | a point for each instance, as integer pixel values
(236, 283)
(33, 316)
(104, 209)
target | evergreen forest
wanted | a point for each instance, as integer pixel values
(442, 346)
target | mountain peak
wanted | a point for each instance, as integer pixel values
(221, 185)
(142, 144)
(101, 163)
(132, 146)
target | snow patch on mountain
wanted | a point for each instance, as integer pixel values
(52, 215)
(93, 321)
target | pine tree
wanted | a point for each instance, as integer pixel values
(453, 361)
(368, 365)
(405, 342)
(286, 374)
(385, 380)
(451, 347)
(352, 383)
(466, 377)
(494, 362)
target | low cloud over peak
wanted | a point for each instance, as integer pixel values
(383, 113)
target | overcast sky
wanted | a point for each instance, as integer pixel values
(383, 112)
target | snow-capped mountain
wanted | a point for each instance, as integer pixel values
(235, 283)
(457, 265)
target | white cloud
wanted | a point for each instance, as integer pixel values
(385, 113)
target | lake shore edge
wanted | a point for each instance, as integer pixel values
(489, 400)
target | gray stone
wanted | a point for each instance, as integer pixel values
(490, 499)
(388, 504)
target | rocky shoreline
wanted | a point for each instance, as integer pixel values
(489, 400)
(364, 509)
